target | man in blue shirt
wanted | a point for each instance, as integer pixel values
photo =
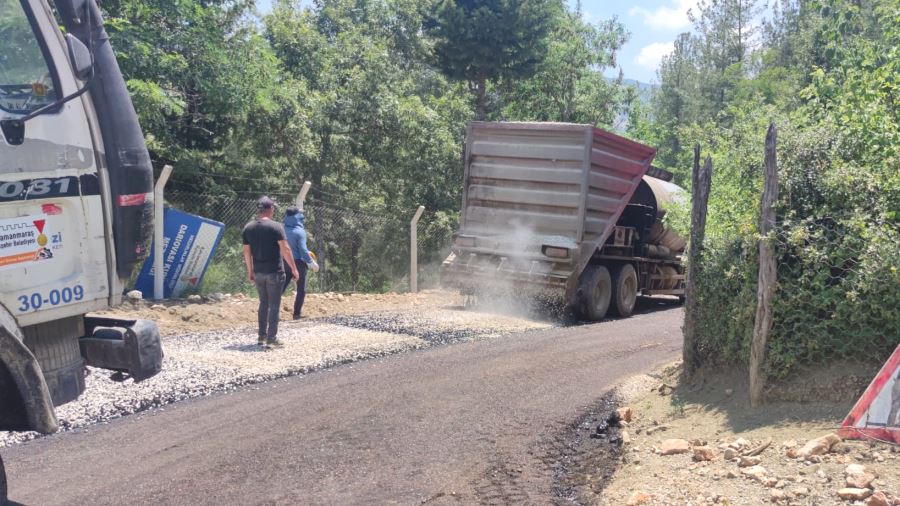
(296, 238)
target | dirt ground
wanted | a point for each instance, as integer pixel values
(227, 311)
(625, 466)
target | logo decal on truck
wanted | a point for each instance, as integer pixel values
(23, 241)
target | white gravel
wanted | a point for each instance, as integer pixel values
(200, 364)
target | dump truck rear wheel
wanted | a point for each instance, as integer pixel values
(624, 290)
(597, 292)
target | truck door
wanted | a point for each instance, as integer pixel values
(54, 255)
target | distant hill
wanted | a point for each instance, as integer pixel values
(645, 93)
(644, 89)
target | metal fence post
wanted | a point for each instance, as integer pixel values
(414, 251)
(158, 272)
(301, 197)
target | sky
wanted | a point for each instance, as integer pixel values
(653, 25)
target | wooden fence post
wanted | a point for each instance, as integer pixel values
(762, 325)
(700, 186)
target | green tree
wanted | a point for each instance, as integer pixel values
(483, 41)
(206, 85)
(568, 85)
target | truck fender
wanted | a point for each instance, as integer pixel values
(24, 397)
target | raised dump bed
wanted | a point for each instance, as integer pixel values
(542, 205)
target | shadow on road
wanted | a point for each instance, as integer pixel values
(559, 316)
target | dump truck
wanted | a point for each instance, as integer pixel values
(76, 212)
(564, 213)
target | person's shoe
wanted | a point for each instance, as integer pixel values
(297, 317)
(275, 344)
(261, 341)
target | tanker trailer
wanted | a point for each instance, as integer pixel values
(564, 212)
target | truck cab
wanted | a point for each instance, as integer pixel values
(75, 210)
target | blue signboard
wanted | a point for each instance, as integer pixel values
(188, 246)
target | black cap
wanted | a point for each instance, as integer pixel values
(291, 211)
(265, 203)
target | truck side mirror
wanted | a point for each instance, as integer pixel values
(80, 56)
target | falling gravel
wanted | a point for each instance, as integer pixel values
(200, 364)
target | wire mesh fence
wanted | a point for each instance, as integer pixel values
(357, 251)
(837, 294)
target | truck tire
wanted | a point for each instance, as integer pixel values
(624, 290)
(596, 289)
(55, 346)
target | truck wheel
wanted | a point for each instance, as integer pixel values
(597, 291)
(55, 345)
(624, 293)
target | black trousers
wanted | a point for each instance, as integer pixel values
(301, 285)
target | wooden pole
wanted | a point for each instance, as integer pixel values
(762, 325)
(701, 180)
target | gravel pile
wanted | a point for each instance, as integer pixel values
(441, 326)
(199, 364)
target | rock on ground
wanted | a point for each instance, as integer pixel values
(674, 447)
(818, 446)
(854, 494)
(858, 476)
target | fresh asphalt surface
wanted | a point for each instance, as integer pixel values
(457, 424)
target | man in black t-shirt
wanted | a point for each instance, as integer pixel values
(264, 247)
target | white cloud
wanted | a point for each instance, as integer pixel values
(651, 55)
(671, 16)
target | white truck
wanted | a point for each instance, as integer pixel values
(567, 213)
(75, 211)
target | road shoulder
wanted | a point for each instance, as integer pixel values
(685, 442)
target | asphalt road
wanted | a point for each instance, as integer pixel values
(459, 424)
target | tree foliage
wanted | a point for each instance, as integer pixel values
(482, 41)
(367, 99)
(826, 73)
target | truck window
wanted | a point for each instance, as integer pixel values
(26, 80)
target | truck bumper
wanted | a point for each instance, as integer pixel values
(129, 346)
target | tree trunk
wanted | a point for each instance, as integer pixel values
(762, 325)
(701, 181)
(319, 221)
(481, 100)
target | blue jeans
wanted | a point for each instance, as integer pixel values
(269, 286)
(301, 286)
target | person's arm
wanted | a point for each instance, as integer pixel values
(248, 262)
(301, 247)
(289, 258)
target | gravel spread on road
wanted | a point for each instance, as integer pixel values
(440, 326)
(201, 363)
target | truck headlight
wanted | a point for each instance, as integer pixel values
(555, 252)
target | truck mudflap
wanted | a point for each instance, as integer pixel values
(128, 346)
